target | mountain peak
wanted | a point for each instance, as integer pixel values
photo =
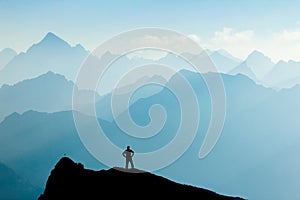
(259, 64)
(256, 57)
(52, 40)
(51, 36)
(79, 46)
(255, 53)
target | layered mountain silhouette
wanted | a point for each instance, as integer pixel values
(50, 54)
(263, 71)
(49, 92)
(256, 155)
(52, 92)
(256, 66)
(223, 61)
(261, 124)
(70, 180)
(283, 75)
(13, 186)
(33, 146)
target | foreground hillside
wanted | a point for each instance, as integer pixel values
(69, 180)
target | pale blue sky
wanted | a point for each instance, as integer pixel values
(272, 27)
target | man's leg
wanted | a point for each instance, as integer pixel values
(131, 163)
(127, 161)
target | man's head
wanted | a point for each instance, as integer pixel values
(128, 147)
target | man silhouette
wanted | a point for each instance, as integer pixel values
(128, 154)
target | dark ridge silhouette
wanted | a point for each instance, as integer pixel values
(70, 180)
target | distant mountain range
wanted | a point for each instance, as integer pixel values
(256, 155)
(48, 93)
(50, 54)
(54, 54)
(256, 66)
(260, 125)
(224, 61)
(32, 142)
(52, 92)
(263, 71)
(12, 186)
(69, 180)
(283, 75)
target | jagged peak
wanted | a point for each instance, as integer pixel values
(51, 36)
(12, 116)
(51, 74)
(50, 40)
(79, 46)
(257, 54)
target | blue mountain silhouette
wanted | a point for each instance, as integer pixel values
(49, 92)
(13, 186)
(50, 54)
(261, 125)
(39, 139)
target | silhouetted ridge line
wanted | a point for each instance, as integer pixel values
(69, 180)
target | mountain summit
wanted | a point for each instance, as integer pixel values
(69, 180)
(50, 54)
(256, 66)
(50, 43)
(51, 36)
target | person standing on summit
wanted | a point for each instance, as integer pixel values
(128, 154)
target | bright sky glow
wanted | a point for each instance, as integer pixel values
(272, 27)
